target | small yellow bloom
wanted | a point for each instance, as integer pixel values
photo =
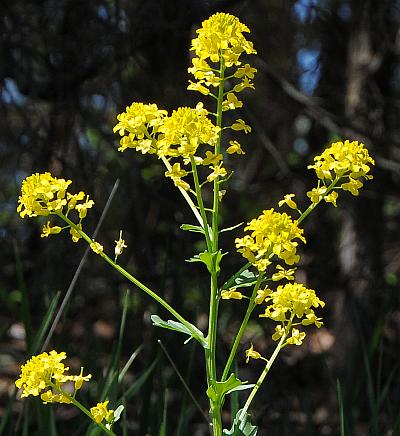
(75, 234)
(252, 354)
(262, 294)
(316, 194)
(245, 83)
(297, 337)
(218, 171)
(283, 273)
(234, 148)
(199, 87)
(331, 198)
(119, 245)
(96, 247)
(231, 294)
(246, 70)
(49, 230)
(211, 158)
(239, 124)
(279, 332)
(231, 102)
(100, 412)
(288, 200)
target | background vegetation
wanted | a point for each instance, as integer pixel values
(327, 69)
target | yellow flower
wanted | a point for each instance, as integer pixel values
(141, 123)
(75, 234)
(221, 35)
(234, 148)
(184, 131)
(241, 125)
(353, 185)
(119, 246)
(231, 102)
(343, 158)
(252, 354)
(297, 337)
(279, 332)
(283, 273)
(42, 194)
(211, 158)
(332, 197)
(100, 412)
(272, 233)
(175, 174)
(292, 299)
(83, 207)
(218, 171)
(96, 247)
(198, 87)
(316, 194)
(262, 294)
(49, 230)
(246, 70)
(42, 372)
(288, 200)
(231, 294)
(245, 83)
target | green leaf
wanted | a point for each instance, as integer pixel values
(211, 260)
(175, 325)
(246, 278)
(242, 426)
(217, 392)
(191, 228)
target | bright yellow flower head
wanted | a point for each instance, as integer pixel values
(100, 412)
(41, 195)
(184, 131)
(141, 123)
(293, 299)
(348, 158)
(221, 35)
(42, 371)
(272, 233)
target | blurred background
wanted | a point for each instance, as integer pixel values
(327, 69)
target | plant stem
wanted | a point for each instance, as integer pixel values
(81, 407)
(186, 196)
(262, 376)
(201, 204)
(242, 328)
(214, 295)
(139, 284)
(312, 206)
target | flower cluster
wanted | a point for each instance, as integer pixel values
(140, 122)
(221, 40)
(348, 162)
(272, 233)
(44, 195)
(292, 304)
(185, 130)
(100, 412)
(45, 375)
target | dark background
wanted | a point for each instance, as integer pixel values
(327, 69)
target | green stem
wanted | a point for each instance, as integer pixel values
(214, 297)
(81, 407)
(186, 196)
(137, 283)
(242, 328)
(312, 206)
(262, 376)
(200, 203)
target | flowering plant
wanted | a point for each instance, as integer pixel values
(190, 142)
